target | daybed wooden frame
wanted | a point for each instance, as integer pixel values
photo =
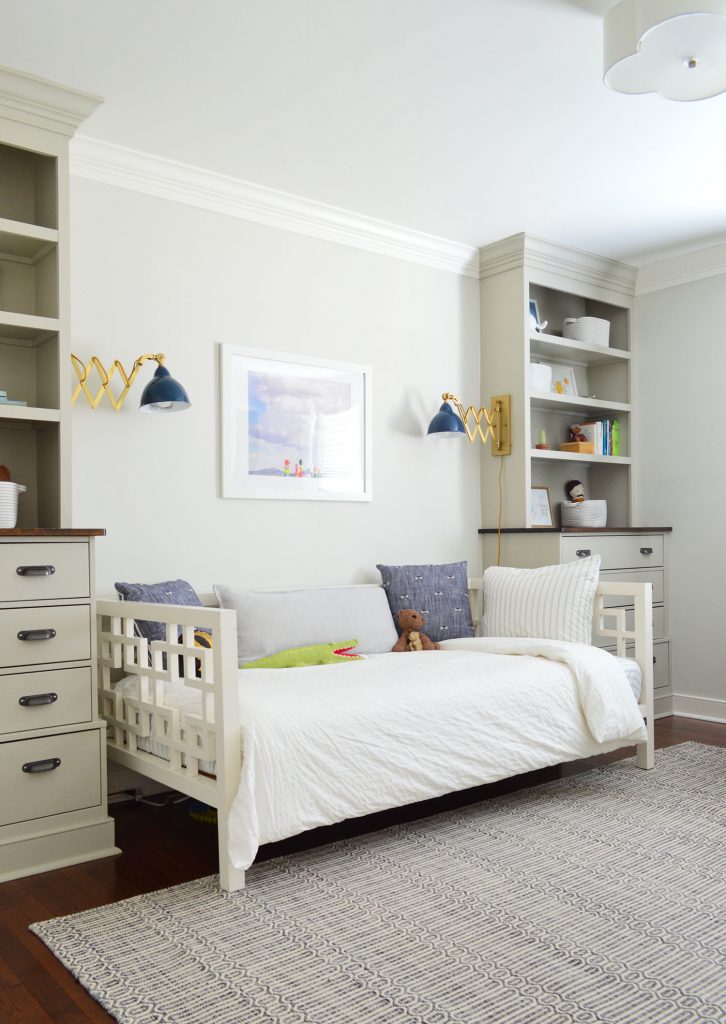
(215, 735)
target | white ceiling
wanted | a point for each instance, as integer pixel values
(467, 119)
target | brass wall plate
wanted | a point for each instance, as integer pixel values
(502, 440)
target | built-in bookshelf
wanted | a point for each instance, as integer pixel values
(34, 291)
(563, 283)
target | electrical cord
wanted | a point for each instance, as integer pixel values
(499, 524)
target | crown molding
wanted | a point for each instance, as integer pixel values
(682, 269)
(35, 101)
(537, 254)
(220, 193)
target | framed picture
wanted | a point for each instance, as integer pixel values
(533, 315)
(563, 381)
(541, 512)
(294, 427)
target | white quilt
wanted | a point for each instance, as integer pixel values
(330, 742)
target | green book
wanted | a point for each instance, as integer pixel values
(616, 437)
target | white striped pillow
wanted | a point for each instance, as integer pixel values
(551, 603)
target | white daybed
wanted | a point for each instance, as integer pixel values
(279, 751)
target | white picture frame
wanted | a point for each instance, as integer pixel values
(563, 381)
(540, 508)
(294, 427)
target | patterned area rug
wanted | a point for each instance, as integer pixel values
(596, 899)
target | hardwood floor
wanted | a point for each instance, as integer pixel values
(164, 846)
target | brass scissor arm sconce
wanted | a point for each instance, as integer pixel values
(487, 423)
(161, 394)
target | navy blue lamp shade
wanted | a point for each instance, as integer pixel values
(446, 423)
(163, 393)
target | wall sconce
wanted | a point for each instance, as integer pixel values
(161, 394)
(448, 424)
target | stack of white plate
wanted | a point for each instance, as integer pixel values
(587, 328)
(540, 377)
(584, 513)
(9, 504)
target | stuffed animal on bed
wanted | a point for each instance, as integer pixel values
(412, 639)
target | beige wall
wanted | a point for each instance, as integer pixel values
(151, 275)
(681, 478)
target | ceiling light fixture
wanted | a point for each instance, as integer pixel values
(672, 47)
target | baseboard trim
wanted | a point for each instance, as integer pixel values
(709, 709)
(663, 706)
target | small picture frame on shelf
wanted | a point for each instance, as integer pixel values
(534, 321)
(540, 508)
(563, 381)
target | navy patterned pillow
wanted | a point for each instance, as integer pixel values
(169, 592)
(439, 592)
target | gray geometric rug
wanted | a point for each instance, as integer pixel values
(596, 899)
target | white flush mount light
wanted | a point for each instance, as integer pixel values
(671, 47)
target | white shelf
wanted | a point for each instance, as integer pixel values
(29, 413)
(583, 459)
(25, 327)
(26, 242)
(548, 401)
(551, 346)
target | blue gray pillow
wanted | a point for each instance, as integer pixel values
(169, 592)
(439, 592)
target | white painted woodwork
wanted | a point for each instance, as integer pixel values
(50, 819)
(564, 282)
(73, 785)
(73, 688)
(624, 551)
(37, 119)
(623, 565)
(68, 559)
(71, 624)
(215, 734)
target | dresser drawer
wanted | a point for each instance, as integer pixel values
(654, 576)
(69, 785)
(44, 700)
(625, 552)
(48, 571)
(71, 642)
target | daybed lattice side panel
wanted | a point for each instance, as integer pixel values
(166, 674)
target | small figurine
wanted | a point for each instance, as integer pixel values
(574, 491)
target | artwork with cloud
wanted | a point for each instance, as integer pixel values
(299, 425)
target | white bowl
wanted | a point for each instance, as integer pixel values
(587, 328)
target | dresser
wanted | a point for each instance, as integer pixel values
(53, 797)
(633, 554)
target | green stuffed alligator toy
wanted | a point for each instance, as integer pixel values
(315, 654)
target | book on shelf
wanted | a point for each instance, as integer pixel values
(604, 435)
(11, 401)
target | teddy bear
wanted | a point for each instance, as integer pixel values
(412, 639)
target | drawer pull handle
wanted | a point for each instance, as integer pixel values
(35, 767)
(35, 570)
(35, 700)
(646, 551)
(583, 552)
(36, 634)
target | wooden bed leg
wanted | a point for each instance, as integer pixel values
(645, 752)
(231, 879)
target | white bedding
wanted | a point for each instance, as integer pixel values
(330, 742)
